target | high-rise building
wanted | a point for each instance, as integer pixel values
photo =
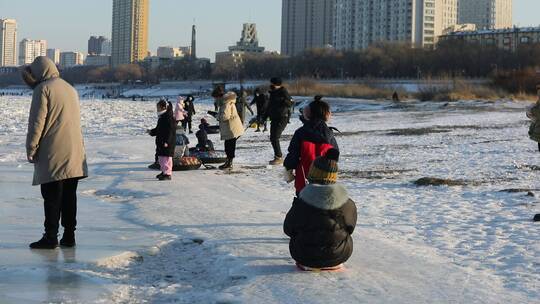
(8, 42)
(193, 50)
(306, 24)
(54, 55)
(98, 45)
(486, 14)
(71, 59)
(360, 23)
(129, 31)
(30, 50)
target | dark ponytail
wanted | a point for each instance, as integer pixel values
(319, 109)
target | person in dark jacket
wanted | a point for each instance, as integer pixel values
(260, 100)
(165, 133)
(322, 219)
(189, 107)
(311, 140)
(203, 143)
(279, 112)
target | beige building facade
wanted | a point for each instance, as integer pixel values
(30, 50)
(8, 42)
(129, 31)
(361, 23)
(486, 14)
(306, 24)
(71, 59)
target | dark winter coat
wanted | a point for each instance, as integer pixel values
(534, 129)
(261, 101)
(320, 224)
(165, 132)
(279, 105)
(189, 107)
(310, 141)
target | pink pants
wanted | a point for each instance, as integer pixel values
(166, 164)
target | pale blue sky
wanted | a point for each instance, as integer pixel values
(67, 24)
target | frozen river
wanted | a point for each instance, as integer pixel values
(209, 237)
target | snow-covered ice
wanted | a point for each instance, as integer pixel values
(212, 237)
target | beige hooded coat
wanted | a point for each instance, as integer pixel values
(230, 125)
(54, 140)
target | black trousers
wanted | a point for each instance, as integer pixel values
(185, 123)
(230, 147)
(276, 129)
(60, 202)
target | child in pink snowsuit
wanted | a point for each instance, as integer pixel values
(179, 112)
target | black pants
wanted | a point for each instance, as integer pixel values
(60, 202)
(185, 123)
(276, 129)
(539, 146)
(230, 147)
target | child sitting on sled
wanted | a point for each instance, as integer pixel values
(322, 219)
(203, 143)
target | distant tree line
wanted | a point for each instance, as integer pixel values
(384, 60)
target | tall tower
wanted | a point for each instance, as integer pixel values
(129, 31)
(486, 14)
(8, 42)
(306, 24)
(193, 42)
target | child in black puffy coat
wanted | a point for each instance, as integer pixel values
(322, 219)
(165, 133)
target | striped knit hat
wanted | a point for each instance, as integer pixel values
(324, 169)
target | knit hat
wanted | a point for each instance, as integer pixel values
(324, 169)
(230, 96)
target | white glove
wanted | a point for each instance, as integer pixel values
(288, 176)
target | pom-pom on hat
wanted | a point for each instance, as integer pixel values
(324, 169)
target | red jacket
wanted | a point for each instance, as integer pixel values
(309, 142)
(309, 151)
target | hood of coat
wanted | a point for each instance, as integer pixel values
(318, 131)
(229, 98)
(326, 197)
(44, 69)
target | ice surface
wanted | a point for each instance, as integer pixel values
(211, 237)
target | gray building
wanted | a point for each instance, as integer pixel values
(99, 46)
(54, 55)
(361, 23)
(486, 14)
(507, 39)
(306, 24)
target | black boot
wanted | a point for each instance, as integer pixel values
(165, 177)
(46, 242)
(154, 166)
(228, 165)
(68, 239)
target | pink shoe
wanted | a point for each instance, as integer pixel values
(334, 268)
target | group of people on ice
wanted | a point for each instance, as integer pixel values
(322, 217)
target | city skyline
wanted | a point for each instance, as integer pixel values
(170, 22)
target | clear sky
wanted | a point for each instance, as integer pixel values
(67, 24)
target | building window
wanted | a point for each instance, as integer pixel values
(525, 39)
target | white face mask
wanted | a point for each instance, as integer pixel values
(159, 113)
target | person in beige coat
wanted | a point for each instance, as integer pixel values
(55, 146)
(230, 126)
